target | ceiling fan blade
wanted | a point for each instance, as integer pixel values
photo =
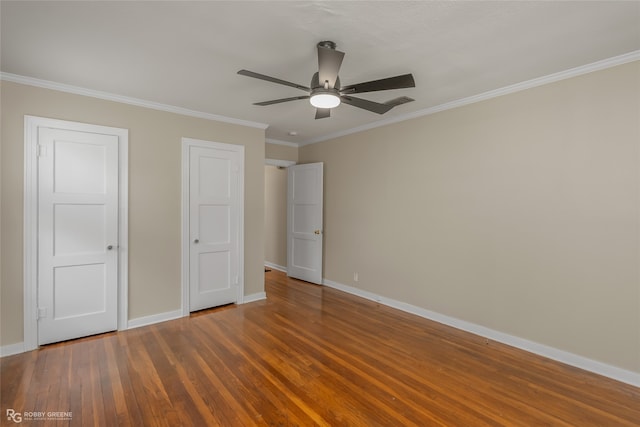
(329, 62)
(397, 82)
(278, 101)
(399, 101)
(366, 105)
(272, 79)
(323, 113)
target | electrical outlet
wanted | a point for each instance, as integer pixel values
(355, 277)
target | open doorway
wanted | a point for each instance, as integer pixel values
(275, 215)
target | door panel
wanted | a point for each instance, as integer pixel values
(304, 218)
(303, 253)
(214, 269)
(88, 164)
(78, 290)
(215, 224)
(78, 229)
(214, 176)
(78, 221)
(304, 222)
(214, 207)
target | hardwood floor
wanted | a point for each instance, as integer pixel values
(308, 355)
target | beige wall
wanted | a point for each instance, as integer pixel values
(154, 195)
(519, 213)
(275, 215)
(281, 152)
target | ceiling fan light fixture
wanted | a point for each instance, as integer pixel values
(325, 98)
(325, 91)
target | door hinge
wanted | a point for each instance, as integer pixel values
(42, 312)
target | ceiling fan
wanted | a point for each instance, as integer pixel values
(326, 93)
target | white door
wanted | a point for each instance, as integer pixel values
(77, 234)
(215, 221)
(304, 222)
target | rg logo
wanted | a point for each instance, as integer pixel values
(14, 416)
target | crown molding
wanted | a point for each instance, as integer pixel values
(551, 78)
(562, 75)
(61, 87)
(278, 142)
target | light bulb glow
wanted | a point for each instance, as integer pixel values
(324, 99)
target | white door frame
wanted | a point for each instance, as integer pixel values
(31, 125)
(279, 163)
(187, 143)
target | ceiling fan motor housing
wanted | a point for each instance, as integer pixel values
(323, 96)
(315, 83)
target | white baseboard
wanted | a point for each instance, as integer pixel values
(581, 362)
(154, 318)
(11, 349)
(254, 297)
(275, 266)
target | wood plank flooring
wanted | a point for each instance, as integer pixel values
(306, 356)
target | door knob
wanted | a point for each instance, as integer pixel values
(109, 247)
(317, 232)
(196, 241)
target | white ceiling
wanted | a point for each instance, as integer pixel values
(186, 54)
